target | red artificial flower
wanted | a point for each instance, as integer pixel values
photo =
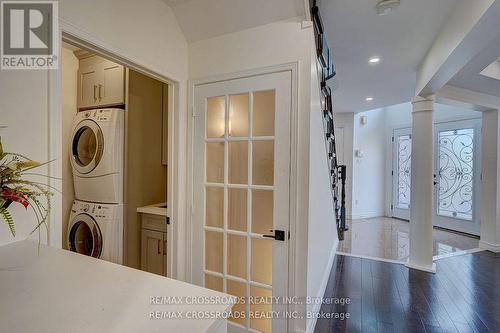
(8, 194)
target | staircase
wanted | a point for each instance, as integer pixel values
(327, 72)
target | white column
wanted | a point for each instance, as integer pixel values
(422, 186)
(490, 182)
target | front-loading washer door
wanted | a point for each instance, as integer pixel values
(85, 236)
(87, 146)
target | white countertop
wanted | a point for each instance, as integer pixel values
(156, 209)
(54, 290)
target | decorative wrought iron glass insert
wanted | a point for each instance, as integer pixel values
(404, 171)
(455, 173)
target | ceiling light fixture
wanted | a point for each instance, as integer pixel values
(374, 60)
(385, 7)
(369, 99)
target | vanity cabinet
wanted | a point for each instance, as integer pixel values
(101, 83)
(154, 254)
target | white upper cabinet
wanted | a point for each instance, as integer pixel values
(100, 83)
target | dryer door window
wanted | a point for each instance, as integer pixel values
(85, 236)
(87, 146)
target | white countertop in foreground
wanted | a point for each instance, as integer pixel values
(60, 291)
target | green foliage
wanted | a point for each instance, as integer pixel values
(7, 218)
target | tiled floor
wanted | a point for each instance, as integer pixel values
(463, 296)
(387, 238)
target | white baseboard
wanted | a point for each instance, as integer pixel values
(489, 246)
(392, 261)
(322, 288)
(366, 215)
(431, 269)
(457, 253)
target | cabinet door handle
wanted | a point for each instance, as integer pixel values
(95, 88)
(100, 91)
(159, 244)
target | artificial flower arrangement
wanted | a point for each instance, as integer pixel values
(15, 188)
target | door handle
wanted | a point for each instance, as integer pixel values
(100, 91)
(159, 244)
(278, 235)
(95, 88)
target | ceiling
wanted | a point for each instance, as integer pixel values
(470, 78)
(203, 19)
(355, 33)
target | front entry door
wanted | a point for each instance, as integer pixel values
(401, 173)
(241, 167)
(457, 173)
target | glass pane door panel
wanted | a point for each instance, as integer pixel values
(237, 256)
(214, 207)
(263, 113)
(214, 249)
(216, 117)
(215, 162)
(238, 162)
(238, 115)
(263, 163)
(262, 262)
(262, 307)
(262, 211)
(455, 173)
(238, 312)
(214, 283)
(237, 209)
(404, 171)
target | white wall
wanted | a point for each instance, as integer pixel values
(24, 109)
(272, 44)
(146, 30)
(69, 82)
(368, 189)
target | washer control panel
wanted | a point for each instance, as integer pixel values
(93, 209)
(97, 115)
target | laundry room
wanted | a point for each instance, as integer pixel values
(115, 156)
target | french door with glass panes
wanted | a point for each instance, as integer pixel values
(457, 184)
(241, 195)
(401, 173)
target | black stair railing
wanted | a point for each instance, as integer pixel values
(337, 172)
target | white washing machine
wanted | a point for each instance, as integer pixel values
(97, 155)
(96, 230)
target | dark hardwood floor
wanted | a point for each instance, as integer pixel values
(463, 296)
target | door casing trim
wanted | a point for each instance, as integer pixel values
(68, 32)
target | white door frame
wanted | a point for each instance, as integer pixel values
(293, 69)
(176, 133)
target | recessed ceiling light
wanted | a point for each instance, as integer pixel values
(374, 60)
(369, 99)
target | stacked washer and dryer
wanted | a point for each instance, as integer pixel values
(95, 226)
